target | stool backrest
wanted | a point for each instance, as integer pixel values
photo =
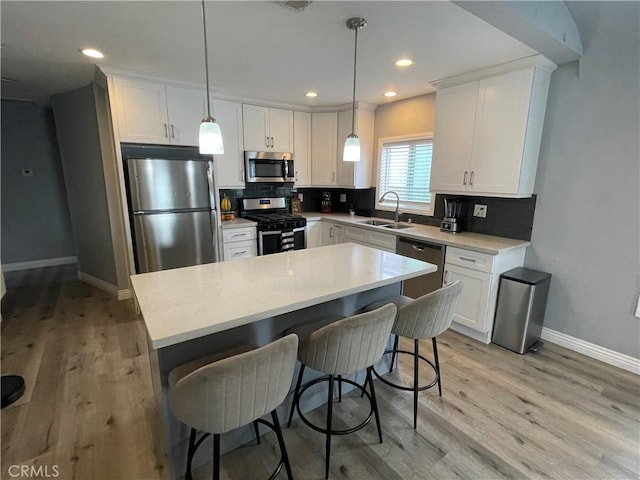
(429, 315)
(351, 344)
(237, 390)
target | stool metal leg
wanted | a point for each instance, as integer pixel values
(216, 456)
(257, 430)
(329, 418)
(396, 342)
(296, 394)
(283, 449)
(374, 401)
(190, 452)
(339, 388)
(415, 383)
(435, 355)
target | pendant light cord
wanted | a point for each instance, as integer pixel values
(353, 104)
(206, 59)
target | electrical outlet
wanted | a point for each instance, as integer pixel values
(479, 210)
(343, 197)
(301, 196)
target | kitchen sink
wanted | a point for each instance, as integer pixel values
(376, 223)
(396, 226)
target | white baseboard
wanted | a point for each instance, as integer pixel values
(107, 287)
(592, 350)
(125, 294)
(96, 282)
(47, 262)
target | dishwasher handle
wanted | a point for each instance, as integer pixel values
(421, 246)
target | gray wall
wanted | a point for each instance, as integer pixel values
(80, 150)
(35, 216)
(586, 226)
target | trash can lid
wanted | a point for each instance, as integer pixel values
(526, 275)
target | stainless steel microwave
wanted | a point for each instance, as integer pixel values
(268, 167)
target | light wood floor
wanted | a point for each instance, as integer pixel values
(89, 408)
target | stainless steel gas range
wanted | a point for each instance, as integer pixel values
(278, 230)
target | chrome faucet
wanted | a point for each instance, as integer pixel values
(397, 202)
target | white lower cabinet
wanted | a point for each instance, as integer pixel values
(370, 238)
(480, 276)
(332, 233)
(239, 243)
(314, 233)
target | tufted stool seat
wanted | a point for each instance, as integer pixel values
(222, 392)
(425, 317)
(342, 347)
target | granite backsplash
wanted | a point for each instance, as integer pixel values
(506, 217)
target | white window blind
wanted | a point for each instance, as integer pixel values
(405, 168)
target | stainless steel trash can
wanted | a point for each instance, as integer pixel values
(522, 300)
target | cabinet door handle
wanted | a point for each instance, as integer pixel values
(240, 253)
(471, 178)
(333, 176)
(419, 249)
(266, 142)
(271, 142)
(330, 232)
(464, 180)
(166, 130)
(239, 234)
(473, 260)
(296, 175)
(173, 131)
(446, 277)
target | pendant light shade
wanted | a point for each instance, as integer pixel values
(351, 152)
(210, 135)
(351, 149)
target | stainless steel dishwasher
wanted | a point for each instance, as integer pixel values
(427, 252)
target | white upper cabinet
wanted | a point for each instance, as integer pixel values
(302, 148)
(230, 165)
(356, 174)
(267, 129)
(487, 134)
(324, 132)
(149, 112)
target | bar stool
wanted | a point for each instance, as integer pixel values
(425, 317)
(216, 395)
(340, 348)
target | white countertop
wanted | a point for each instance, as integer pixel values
(186, 303)
(237, 223)
(471, 241)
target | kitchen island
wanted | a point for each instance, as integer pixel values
(195, 311)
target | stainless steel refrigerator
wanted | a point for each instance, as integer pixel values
(172, 206)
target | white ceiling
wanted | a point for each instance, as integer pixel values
(257, 49)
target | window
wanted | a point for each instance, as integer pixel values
(405, 168)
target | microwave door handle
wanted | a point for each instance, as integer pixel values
(285, 169)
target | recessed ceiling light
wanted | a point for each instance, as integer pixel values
(311, 94)
(404, 62)
(390, 94)
(90, 52)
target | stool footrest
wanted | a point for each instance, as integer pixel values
(405, 387)
(346, 431)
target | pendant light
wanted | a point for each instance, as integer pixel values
(210, 134)
(351, 152)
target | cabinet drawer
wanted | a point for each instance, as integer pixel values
(482, 262)
(384, 240)
(242, 249)
(370, 238)
(239, 234)
(355, 233)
